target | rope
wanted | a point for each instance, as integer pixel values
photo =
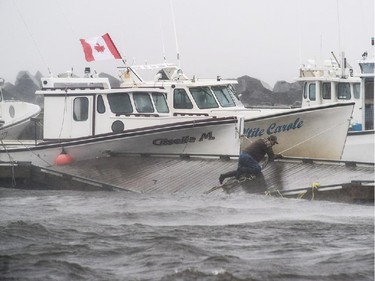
(269, 193)
(14, 183)
(37, 155)
(297, 144)
(64, 112)
(314, 136)
(301, 194)
(186, 144)
(314, 188)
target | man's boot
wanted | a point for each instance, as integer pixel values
(227, 175)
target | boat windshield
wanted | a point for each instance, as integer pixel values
(203, 97)
(120, 103)
(160, 102)
(343, 91)
(224, 95)
(143, 102)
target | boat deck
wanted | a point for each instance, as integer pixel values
(286, 177)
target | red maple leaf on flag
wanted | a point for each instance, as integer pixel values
(99, 48)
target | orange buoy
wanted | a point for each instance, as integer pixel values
(63, 158)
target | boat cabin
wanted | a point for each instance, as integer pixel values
(80, 107)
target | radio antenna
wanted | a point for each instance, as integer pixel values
(175, 34)
(162, 40)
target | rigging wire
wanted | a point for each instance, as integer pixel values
(31, 36)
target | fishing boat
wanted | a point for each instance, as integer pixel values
(15, 116)
(205, 137)
(336, 82)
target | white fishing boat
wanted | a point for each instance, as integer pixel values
(336, 82)
(86, 118)
(205, 137)
(15, 116)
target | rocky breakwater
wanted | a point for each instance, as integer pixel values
(255, 93)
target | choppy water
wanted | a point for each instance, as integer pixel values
(67, 235)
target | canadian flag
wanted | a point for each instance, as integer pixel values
(100, 48)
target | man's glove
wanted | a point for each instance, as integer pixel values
(278, 156)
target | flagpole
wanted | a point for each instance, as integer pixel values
(123, 60)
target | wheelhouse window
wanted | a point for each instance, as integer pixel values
(369, 105)
(100, 106)
(81, 109)
(143, 102)
(312, 91)
(181, 99)
(343, 91)
(160, 102)
(305, 90)
(224, 95)
(356, 90)
(203, 97)
(119, 103)
(326, 91)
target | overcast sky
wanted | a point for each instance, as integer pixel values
(265, 39)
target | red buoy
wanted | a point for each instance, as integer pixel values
(63, 158)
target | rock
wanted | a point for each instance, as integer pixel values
(24, 88)
(253, 92)
(289, 93)
(114, 82)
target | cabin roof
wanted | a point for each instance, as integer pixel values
(56, 85)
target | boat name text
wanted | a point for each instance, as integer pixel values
(183, 140)
(273, 128)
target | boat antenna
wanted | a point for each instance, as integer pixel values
(300, 34)
(338, 25)
(162, 40)
(175, 34)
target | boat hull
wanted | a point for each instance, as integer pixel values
(303, 133)
(16, 116)
(214, 136)
(359, 147)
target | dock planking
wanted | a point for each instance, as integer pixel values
(158, 174)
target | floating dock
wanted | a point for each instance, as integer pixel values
(291, 178)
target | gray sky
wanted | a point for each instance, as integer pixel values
(265, 39)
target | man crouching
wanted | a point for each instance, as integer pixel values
(251, 155)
